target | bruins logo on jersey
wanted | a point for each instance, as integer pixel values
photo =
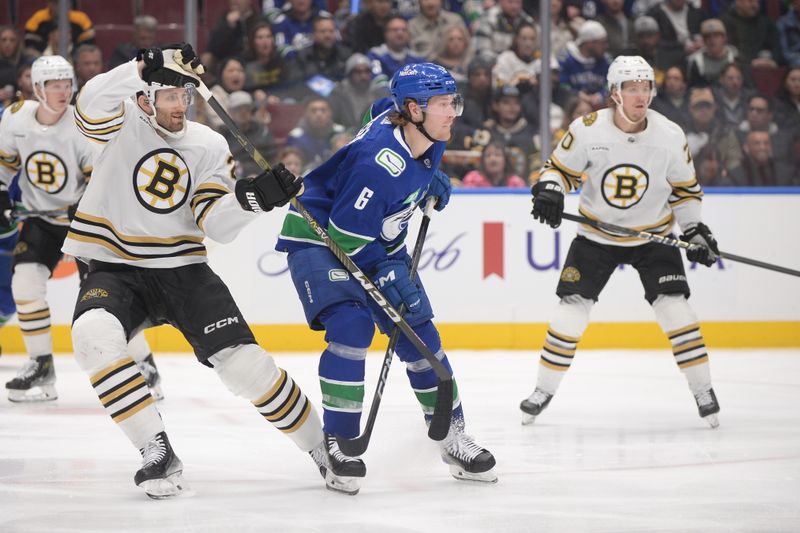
(589, 119)
(16, 106)
(161, 181)
(94, 293)
(46, 171)
(624, 185)
(571, 274)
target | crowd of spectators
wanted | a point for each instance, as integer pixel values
(297, 79)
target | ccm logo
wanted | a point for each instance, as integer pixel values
(251, 200)
(220, 324)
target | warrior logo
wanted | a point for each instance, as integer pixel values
(161, 181)
(46, 171)
(624, 185)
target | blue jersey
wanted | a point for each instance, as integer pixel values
(364, 195)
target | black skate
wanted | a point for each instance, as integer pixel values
(467, 460)
(35, 381)
(708, 407)
(342, 473)
(149, 370)
(533, 405)
(161, 473)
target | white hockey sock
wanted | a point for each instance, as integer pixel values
(138, 347)
(679, 322)
(29, 286)
(563, 335)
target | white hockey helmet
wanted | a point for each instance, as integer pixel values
(48, 68)
(630, 68)
(170, 76)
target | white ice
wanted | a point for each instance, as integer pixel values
(621, 448)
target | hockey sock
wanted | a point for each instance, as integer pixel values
(679, 322)
(561, 341)
(29, 285)
(138, 347)
(420, 374)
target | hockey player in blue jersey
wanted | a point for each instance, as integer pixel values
(365, 194)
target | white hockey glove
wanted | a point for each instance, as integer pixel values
(187, 58)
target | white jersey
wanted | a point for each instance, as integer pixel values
(55, 161)
(644, 181)
(152, 199)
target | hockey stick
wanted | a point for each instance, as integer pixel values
(440, 422)
(357, 446)
(668, 241)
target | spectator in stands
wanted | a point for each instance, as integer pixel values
(753, 33)
(325, 57)
(706, 64)
(672, 99)
(759, 168)
(585, 68)
(510, 127)
(394, 53)
(731, 94)
(313, 134)
(88, 63)
(787, 101)
(494, 31)
(42, 23)
(24, 83)
(266, 70)
(10, 60)
(618, 25)
(477, 95)
(646, 44)
(230, 78)
(144, 36)
(760, 118)
(240, 107)
(293, 26)
(455, 52)
(574, 108)
(365, 30)
(427, 29)
(229, 36)
(560, 30)
(789, 34)
(495, 169)
(340, 140)
(679, 26)
(708, 137)
(292, 159)
(520, 66)
(351, 97)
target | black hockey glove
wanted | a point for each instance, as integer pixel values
(269, 189)
(6, 209)
(548, 203)
(153, 61)
(706, 251)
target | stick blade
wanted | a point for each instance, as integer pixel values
(442, 411)
(353, 447)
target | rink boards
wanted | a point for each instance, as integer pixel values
(491, 273)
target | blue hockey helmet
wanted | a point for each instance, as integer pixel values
(421, 81)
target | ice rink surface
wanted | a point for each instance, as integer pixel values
(620, 449)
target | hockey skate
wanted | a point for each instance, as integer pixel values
(149, 370)
(708, 407)
(341, 472)
(533, 405)
(467, 460)
(161, 475)
(35, 381)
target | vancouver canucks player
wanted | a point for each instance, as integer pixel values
(365, 194)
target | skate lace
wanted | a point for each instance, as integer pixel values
(538, 397)
(153, 452)
(704, 398)
(463, 447)
(29, 370)
(336, 453)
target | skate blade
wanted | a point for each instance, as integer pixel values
(343, 484)
(712, 420)
(168, 487)
(527, 419)
(481, 477)
(39, 393)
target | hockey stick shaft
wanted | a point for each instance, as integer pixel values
(441, 371)
(668, 241)
(357, 446)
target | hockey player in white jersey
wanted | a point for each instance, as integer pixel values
(41, 141)
(162, 184)
(639, 175)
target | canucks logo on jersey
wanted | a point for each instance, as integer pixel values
(162, 181)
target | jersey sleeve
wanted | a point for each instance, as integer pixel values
(100, 106)
(214, 206)
(357, 215)
(686, 192)
(9, 155)
(568, 161)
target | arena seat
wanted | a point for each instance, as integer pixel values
(284, 119)
(768, 80)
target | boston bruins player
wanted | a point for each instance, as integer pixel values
(640, 175)
(162, 184)
(41, 141)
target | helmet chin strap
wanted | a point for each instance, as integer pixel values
(421, 128)
(161, 130)
(43, 100)
(622, 112)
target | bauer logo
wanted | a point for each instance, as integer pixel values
(337, 274)
(671, 277)
(219, 324)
